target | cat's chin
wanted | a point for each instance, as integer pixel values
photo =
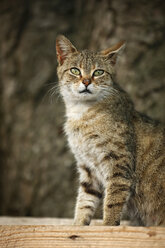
(87, 96)
(86, 91)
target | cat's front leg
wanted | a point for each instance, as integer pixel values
(117, 193)
(89, 196)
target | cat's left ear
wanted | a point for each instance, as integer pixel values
(113, 52)
(63, 48)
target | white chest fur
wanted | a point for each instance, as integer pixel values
(84, 147)
(76, 111)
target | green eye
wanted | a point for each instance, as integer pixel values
(98, 73)
(75, 71)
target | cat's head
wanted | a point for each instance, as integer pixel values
(85, 76)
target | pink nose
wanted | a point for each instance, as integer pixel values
(86, 81)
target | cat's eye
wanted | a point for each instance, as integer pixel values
(98, 73)
(75, 71)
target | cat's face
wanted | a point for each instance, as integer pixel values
(84, 76)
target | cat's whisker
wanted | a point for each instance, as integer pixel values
(52, 92)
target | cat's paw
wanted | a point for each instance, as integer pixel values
(81, 222)
(111, 223)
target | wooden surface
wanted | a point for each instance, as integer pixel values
(58, 235)
(5, 220)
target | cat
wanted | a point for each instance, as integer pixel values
(119, 151)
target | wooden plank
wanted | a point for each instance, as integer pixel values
(6, 220)
(52, 236)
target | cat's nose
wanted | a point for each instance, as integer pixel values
(86, 81)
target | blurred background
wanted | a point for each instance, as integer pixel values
(37, 171)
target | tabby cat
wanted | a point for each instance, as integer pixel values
(119, 151)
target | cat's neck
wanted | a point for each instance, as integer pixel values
(76, 110)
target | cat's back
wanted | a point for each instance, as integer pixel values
(150, 138)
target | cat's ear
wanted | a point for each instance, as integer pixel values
(63, 48)
(113, 52)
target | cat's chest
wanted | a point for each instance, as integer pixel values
(82, 144)
(85, 139)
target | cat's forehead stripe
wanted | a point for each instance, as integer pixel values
(81, 60)
(87, 61)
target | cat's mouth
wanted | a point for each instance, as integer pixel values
(86, 91)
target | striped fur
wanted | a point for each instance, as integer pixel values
(119, 152)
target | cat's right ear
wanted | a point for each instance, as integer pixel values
(63, 48)
(113, 53)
